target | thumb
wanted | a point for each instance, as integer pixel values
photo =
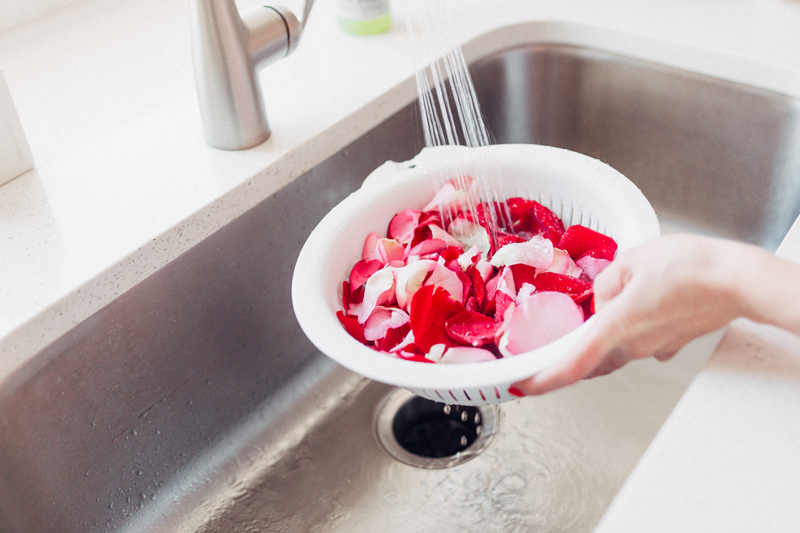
(609, 283)
(589, 354)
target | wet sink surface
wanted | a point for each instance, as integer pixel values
(194, 402)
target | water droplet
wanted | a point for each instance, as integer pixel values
(464, 440)
(464, 416)
(133, 432)
(447, 409)
(477, 418)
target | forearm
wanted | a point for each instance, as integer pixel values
(769, 291)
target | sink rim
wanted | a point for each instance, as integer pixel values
(28, 335)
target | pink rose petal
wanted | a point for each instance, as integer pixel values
(469, 257)
(592, 266)
(465, 355)
(470, 234)
(443, 277)
(381, 320)
(454, 196)
(402, 226)
(538, 253)
(389, 251)
(409, 279)
(540, 319)
(438, 233)
(426, 247)
(378, 289)
(370, 251)
(563, 264)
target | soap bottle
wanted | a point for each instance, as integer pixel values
(364, 17)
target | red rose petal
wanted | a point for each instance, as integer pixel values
(417, 358)
(504, 238)
(502, 301)
(393, 338)
(346, 294)
(362, 271)
(579, 240)
(523, 217)
(522, 274)
(430, 308)
(473, 329)
(351, 325)
(578, 289)
(550, 221)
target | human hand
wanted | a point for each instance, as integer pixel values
(651, 301)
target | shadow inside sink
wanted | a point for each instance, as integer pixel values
(194, 402)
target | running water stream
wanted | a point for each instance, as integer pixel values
(449, 105)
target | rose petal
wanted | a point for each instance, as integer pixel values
(389, 251)
(563, 264)
(470, 234)
(439, 233)
(454, 196)
(538, 253)
(362, 271)
(539, 320)
(426, 247)
(377, 289)
(402, 226)
(351, 325)
(443, 277)
(575, 288)
(394, 338)
(474, 329)
(370, 252)
(409, 279)
(579, 240)
(381, 320)
(522, 274)
(469, 257)
(430, 308)
(436, 352)
(465, 355)
(592, 266)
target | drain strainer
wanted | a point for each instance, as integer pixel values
(428, 434)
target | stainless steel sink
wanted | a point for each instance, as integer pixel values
(193, 402)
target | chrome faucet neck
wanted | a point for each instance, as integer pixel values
(228, 50)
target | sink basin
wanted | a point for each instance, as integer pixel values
(193, 402)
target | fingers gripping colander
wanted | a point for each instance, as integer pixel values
(580, 189)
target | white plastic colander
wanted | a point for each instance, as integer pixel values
(578, 188)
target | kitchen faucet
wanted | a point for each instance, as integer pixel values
(228, 51)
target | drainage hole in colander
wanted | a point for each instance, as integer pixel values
(429, 434)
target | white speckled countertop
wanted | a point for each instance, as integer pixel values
(124, 184)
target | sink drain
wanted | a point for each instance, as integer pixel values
(428, 434)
